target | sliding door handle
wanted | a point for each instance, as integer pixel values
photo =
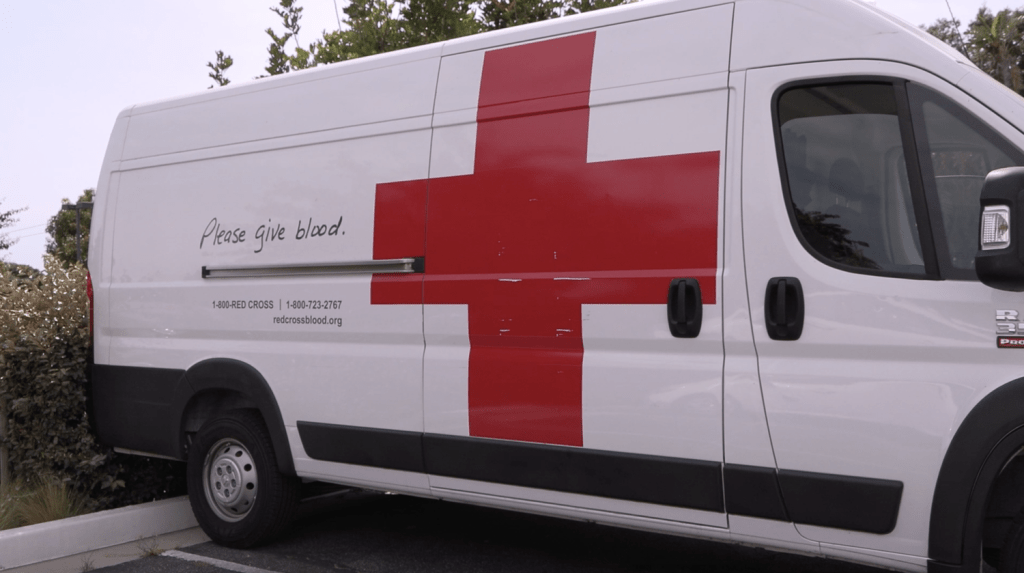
(685, 309)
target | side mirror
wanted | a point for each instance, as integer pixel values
(999, 263)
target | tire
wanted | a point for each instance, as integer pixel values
(1011, 556)
(237, 494)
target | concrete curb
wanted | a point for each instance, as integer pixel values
(87, 533)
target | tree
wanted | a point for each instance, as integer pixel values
(63, 230)
(374, 27)
(223, 63)
(8, 219)
(429, 21)
(994, 43)
(581, 6)
(332, 47)
(378, 26)
(498, 14)
(949, 32)
(280, 62)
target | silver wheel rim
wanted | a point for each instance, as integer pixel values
(229, 480)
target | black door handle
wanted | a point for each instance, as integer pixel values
(685, 309)
(784, 308)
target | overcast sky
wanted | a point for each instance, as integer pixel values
(72, 66)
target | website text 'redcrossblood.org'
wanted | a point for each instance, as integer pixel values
(309, 320)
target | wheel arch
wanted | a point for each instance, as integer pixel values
(991, 433)
(219, 384)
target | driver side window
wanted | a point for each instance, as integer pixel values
(848, 187)
(858, 203)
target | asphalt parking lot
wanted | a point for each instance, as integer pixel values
(372, 532)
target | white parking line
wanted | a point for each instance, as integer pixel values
(215, 562)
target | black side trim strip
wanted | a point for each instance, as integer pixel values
(389, 449)
(634, 477)
(676, 482)
(843, 502)
(753, 491)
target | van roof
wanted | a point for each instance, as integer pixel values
(363, 97)
(793, 31)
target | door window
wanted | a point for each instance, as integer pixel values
(859, 204)
(847, 177)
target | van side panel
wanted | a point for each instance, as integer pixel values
(543, 185)
(327, 354)
(596, 203)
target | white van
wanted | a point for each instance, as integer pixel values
(702, 267)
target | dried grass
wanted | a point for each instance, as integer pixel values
(48, 500)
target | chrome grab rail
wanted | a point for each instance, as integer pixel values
(410, 265)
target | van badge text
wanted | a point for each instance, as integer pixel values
(1007, 323)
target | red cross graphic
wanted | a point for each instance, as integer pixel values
(536, 231)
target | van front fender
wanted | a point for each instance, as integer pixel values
(988, 437)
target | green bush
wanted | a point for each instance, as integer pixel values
(44, 358)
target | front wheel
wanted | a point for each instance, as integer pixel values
(237, 495)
